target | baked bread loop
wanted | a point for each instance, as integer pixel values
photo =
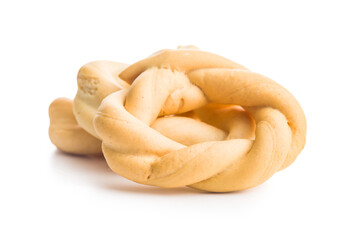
(71, 128)
(96, 80)
(218, 148)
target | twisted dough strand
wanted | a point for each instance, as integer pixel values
(161, 86)
(71, 122)
(181, 118)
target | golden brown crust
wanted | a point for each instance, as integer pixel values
(230, 160)
(182, 118)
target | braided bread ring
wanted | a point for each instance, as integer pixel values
(172, 82)
(71, 122)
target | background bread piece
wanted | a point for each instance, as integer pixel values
(66, 134)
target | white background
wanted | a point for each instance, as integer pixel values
(310, 47)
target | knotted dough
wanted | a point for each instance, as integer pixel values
(191, 118)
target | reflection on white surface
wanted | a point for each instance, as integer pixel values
(93, 170)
